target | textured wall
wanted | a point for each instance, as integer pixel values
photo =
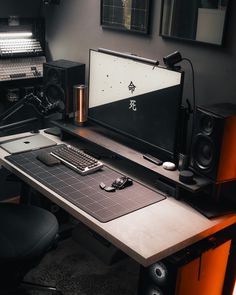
(24, 8)
(74, 27)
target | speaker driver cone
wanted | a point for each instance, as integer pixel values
(55, 94)
(53, 76)
(158, 273)
(153, 290)
(206, 124)
(203, 152)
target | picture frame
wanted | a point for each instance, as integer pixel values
(204, 21)
(126, 15)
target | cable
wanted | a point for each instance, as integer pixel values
(170, 61)
(194, 101)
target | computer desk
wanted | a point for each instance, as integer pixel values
(146, 235)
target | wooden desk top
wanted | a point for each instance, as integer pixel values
(147, 235)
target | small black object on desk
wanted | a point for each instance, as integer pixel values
(118, 183)
(152, 159)
(122, 182)
(47, 159)
(186, 176)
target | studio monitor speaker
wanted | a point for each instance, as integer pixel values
(214, 142)
(59, 78)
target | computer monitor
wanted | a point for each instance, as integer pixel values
(136, 99)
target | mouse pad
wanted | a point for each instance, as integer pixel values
(84, 191)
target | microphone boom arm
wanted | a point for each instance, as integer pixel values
(32, 100)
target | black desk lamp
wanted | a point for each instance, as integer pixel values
(170, 61)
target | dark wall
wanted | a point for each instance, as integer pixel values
(74, 26)
(23, 8)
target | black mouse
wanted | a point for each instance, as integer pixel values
(122, 182)
(47, 159)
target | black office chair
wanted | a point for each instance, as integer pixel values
(26, 234)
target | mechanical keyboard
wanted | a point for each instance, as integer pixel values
(21, 68)
(14, 47)
(77, 160)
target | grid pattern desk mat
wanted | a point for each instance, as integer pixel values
(84, 191)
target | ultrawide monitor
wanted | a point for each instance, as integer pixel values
(137, 99)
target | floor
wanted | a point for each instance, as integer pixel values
(75, 271)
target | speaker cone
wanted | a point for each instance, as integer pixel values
(158, 273)
(203, 152)
(206, 124)
(153, 290)
(53, 76)
(55, 94)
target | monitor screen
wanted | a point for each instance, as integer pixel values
(136, 99)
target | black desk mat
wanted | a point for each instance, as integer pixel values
(84, 191)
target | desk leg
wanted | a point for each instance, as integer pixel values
(230, 277)
(25, 193)
(29, 195)
(192, 270)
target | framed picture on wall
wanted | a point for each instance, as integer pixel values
(126, 15)
(204, 20)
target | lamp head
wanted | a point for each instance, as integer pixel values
(57, 2)
(172, 59)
